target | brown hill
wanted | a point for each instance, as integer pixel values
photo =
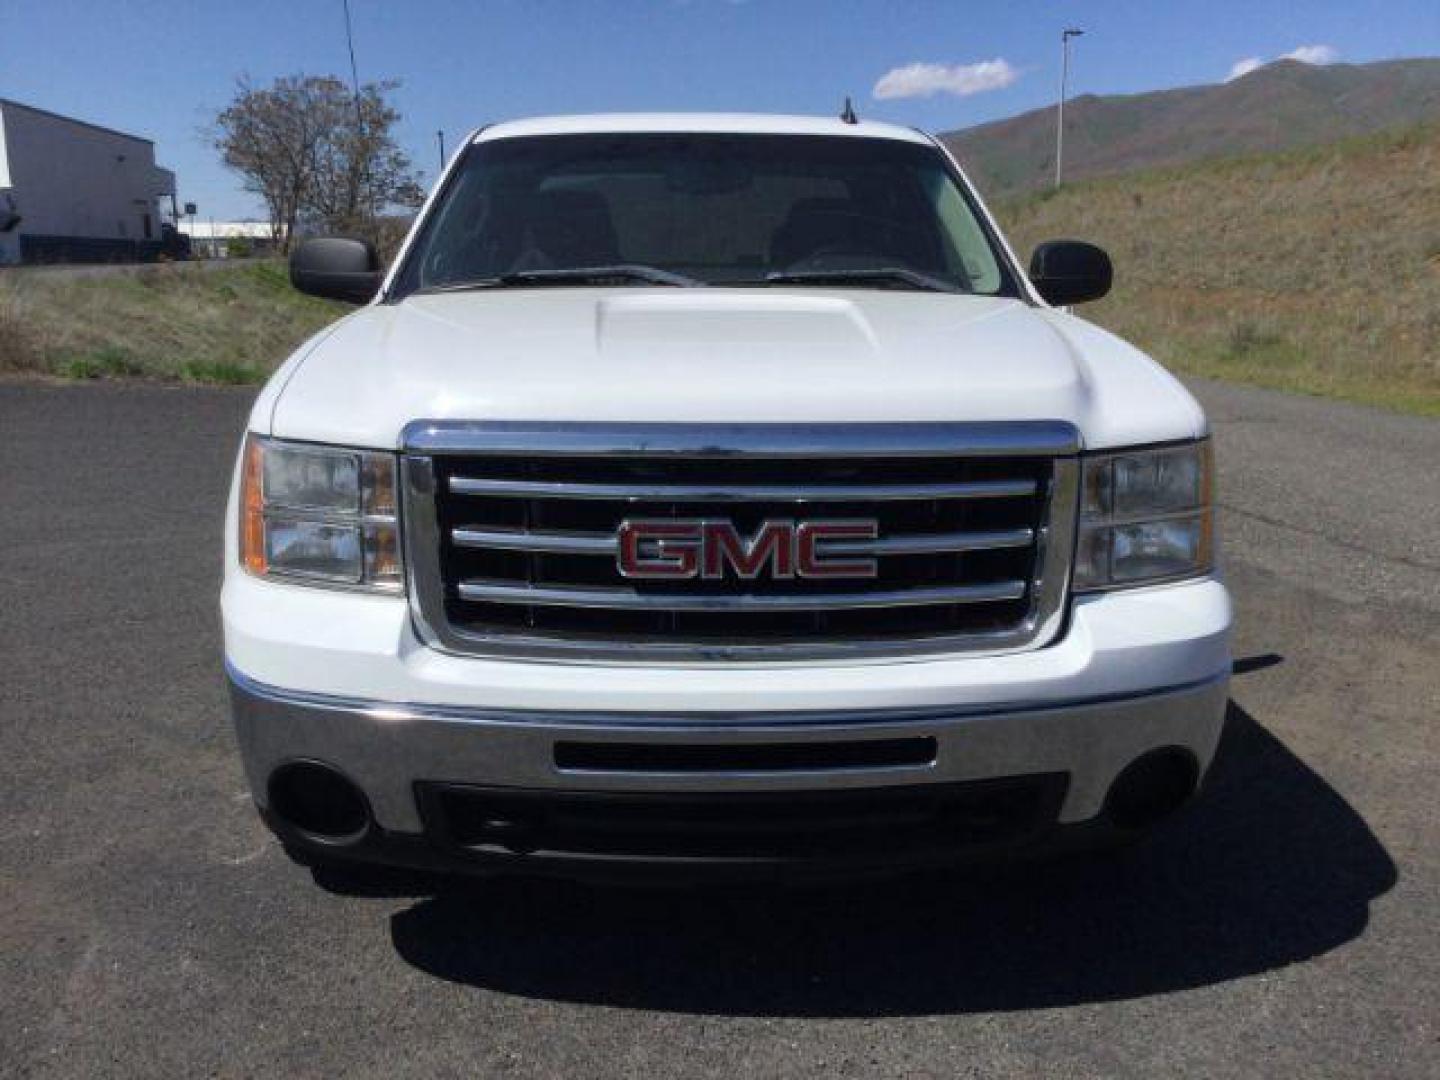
(1284, 105)
(1315, 269)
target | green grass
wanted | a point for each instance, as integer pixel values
(1315, 271)
(222, 371)
(109, 361)
(177, 323)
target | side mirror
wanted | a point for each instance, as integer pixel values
(336, 268)
(1070, 272)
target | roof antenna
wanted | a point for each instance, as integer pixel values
(848, 115)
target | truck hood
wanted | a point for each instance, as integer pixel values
(718, 355)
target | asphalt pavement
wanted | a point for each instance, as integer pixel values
(1288, 925)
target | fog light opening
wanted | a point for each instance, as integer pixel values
(320, 801)
(1152, 787)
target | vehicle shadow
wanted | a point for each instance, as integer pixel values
(1270, 867)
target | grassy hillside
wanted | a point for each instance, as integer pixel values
(1314, 270)
(1285, 105)
(170, 322)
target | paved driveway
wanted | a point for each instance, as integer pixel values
(1290, 925)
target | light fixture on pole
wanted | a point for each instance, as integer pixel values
(1065, 36)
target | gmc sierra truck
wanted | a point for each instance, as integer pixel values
(716, 493)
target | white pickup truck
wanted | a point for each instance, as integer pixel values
(714, 494)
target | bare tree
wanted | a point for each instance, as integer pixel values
(316, 154)
(362, 172)
(272, 138)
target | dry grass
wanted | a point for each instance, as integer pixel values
(166, 322)
(19, 350)
(1316, 271)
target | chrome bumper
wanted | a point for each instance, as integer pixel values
(387, 748)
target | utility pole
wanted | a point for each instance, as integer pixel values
(441, 136)
(354, 71)
(1065, 36)
(366, 209)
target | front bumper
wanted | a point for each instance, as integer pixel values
(342, 679)
(405, 759)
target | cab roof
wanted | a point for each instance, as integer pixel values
(709, 123)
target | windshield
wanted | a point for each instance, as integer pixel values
(704, 209)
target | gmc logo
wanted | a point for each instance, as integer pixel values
(678, 549)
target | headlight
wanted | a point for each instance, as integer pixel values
(320, 514)
(1145, 515)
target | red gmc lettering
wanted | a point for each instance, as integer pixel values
(773, 544)
(671, 549)
(813, 560)
(672, 552)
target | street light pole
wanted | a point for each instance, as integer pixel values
(1065, 37)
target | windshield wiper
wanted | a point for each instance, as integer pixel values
(570, 275)
(878, 273)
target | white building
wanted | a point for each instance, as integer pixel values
(71, 191)
(222, 239)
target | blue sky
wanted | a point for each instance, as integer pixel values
(162, 69)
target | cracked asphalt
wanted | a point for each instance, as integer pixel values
(1288, 925)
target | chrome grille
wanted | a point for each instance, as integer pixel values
(512, 536)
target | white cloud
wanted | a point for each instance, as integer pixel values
(1306, 54)
(1314, 54)
(927, 80)
(1244, 67)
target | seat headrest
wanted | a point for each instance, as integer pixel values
(573, 228)
(810, 225)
